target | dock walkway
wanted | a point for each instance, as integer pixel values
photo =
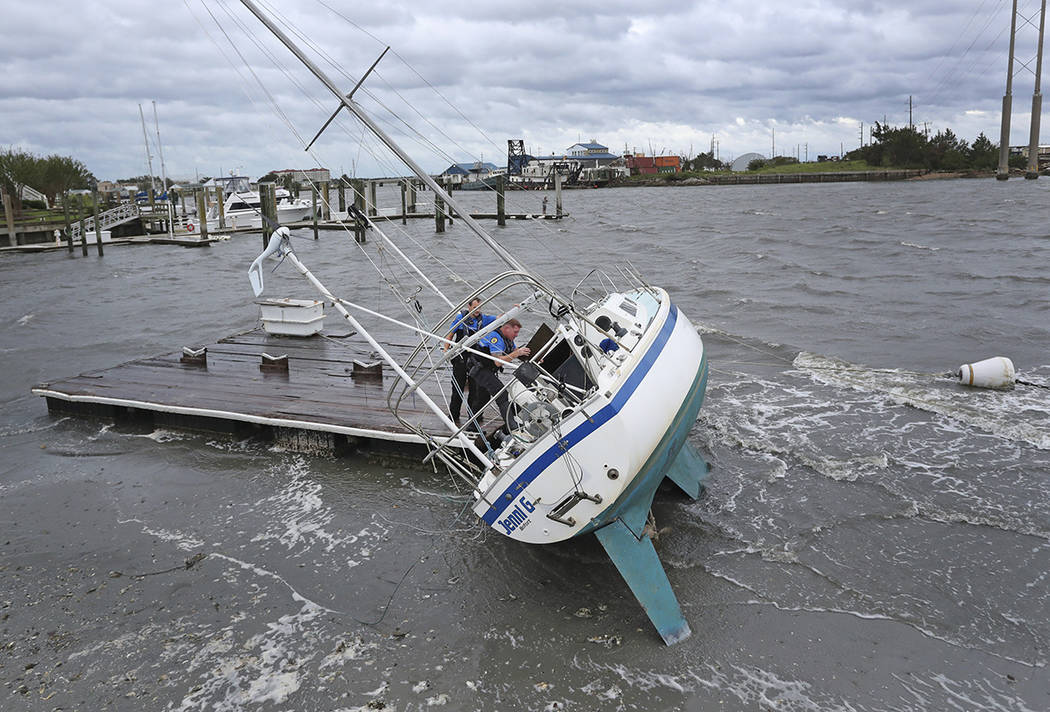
(318, 396)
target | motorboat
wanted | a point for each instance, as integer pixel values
(243, 209)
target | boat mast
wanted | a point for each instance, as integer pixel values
(149, 158)
(359, 112)
(160, 151)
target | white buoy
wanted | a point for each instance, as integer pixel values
(995, 372)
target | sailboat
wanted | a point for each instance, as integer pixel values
(604, 405)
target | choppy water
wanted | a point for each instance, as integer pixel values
(873, 536)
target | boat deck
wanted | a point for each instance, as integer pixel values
(319, 396)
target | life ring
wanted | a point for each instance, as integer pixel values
(189, 227)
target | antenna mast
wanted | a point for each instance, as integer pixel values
(160, 151)
(149, 158)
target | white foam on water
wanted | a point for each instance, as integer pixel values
(753, 687)
(165, 436)
(989, 410)
(972, 695)
(298, 518)
(26, 319)
(269, 666)
(186, 542)
(919, 247)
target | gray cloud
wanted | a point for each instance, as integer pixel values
(624, 73)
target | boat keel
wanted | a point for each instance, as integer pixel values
(640, 567)
(688, 471)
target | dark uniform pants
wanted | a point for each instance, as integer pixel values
(487, 383)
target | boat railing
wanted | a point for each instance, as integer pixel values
(431, 361)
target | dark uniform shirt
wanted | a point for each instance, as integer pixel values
(495, 343)
(467, 324)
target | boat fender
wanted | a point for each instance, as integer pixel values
(189, 227)
(995, 372)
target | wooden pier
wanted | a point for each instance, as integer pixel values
(316, 399)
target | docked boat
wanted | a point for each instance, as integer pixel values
(244, 209)
(595, 418)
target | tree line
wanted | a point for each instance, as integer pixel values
(906, 147)
(896, 147)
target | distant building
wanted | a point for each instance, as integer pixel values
(304, 176)
(742, 162)
(459, 173)
(1043, 152)
(591, 155)
(230, 184)
(640, 164)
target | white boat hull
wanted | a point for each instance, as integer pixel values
(606, 451)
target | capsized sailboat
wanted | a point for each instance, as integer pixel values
(601, 410)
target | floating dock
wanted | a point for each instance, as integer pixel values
(328, 394)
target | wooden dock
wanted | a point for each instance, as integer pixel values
(318, 403)
(180, 239)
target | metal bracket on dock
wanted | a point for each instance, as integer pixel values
(367, 371)
(558, 513)
(274, 364)
(194, 357)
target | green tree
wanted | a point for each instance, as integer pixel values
(62, 174)
(17, 170)
(983, 154)
(947, 152)
(703, 162)
(757, 164)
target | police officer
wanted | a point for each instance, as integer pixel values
(466, 324)
(483, 374)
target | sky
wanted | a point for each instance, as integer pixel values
(805, 77)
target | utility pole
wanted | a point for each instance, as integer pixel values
(774, 140)
(1032, 172)
(1004, 130)
(862, 134)
(911, 125)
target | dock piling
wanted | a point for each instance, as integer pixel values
(222, 208)
(313, 212)
(557, 195)
(83, 231)
(98, 226)
(9, 213)
(268, 203)
(404, 203)
(201, 197)
(69, 229)
(439, 214)
(501, 206)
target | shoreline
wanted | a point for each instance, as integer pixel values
(897, 174)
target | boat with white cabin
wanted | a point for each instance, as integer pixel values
(244, 209)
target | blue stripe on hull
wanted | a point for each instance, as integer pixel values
(633, 505)
(551, 455)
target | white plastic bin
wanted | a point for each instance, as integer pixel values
(292, 317)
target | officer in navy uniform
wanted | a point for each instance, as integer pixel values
(483, 373)
(466, 324)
